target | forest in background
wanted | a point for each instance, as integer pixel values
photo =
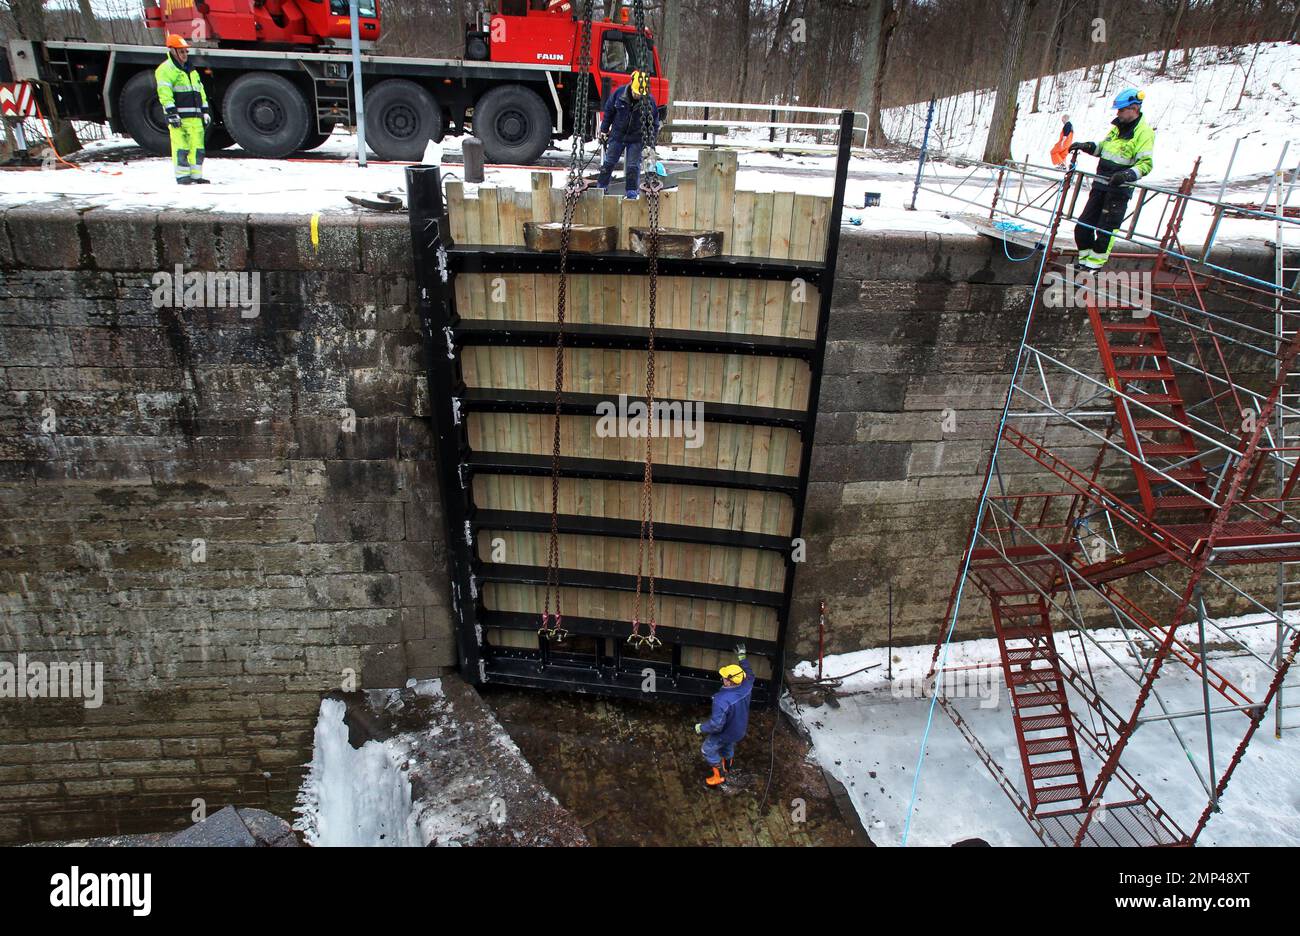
(864, 54)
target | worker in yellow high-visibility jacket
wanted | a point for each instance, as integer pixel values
(1124, 156)
(185, 105)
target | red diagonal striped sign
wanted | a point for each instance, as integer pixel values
(17, 100)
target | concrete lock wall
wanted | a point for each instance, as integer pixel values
(234, 509)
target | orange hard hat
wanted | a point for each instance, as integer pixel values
(176, 42)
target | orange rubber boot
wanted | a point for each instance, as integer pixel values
(717, 778)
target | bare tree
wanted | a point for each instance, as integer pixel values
(1048, 45)
(997, 147)
(1171, 41)
(882, 17)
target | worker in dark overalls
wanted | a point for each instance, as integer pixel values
(622, 131)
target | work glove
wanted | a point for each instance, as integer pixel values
(1123, 177)
(173, 120)
(604, 137)
(207, 119)
(1089, 148)
(697, 728)
(740, 651)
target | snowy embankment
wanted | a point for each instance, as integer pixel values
(1198, 111)
(872, 740)
(1193, 110)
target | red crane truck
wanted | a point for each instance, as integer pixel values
(279, 77)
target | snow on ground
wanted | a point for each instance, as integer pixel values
(871, 743)
(1192, 110)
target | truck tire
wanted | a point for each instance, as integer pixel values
(217, 138)
(266, 114)
(314, 140)
(142, 115)
(514, 124)
(401, 119)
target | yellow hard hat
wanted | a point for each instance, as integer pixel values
(639, 83)
(732, 673)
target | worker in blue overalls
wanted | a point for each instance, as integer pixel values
(729, 720)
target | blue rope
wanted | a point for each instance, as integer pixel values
(1009, 227)
(965, 569)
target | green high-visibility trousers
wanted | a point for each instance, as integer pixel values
(187, 148)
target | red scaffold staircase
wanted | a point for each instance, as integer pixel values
(1049, 748)
(1190, 492)
(1136, 363)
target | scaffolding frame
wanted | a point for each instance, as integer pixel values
(1129, 486)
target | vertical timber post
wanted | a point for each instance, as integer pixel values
(436, 302)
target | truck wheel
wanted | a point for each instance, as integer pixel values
(514, 124)
(216, 138)
(265, 114)
(314, 140)
(142, 115)
(401, 119)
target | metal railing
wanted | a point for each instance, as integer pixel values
(798, 127)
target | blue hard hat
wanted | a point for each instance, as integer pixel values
(1128, 97)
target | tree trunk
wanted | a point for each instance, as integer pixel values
(997, 148)
(881, 18)
(29, 16)
(668, 44)
(1172, 40)
(742, 40)
(1047, 51)
(89, 24)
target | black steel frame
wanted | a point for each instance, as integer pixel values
(437, 263)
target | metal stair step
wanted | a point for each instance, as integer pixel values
(1057, 794)
(1049, 745)
(1035, 677)
(1049, 769)
(1131, 327)
(1180, 502)
(1138, 351)
(1169, 448)
(1156, 399)
(1022, 655)
(1137, 373)
(1026, 700)
(1189, 474)
(1043, 722)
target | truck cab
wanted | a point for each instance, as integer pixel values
(548, 32)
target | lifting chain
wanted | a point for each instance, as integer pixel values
(573, 190)
(651, 187)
